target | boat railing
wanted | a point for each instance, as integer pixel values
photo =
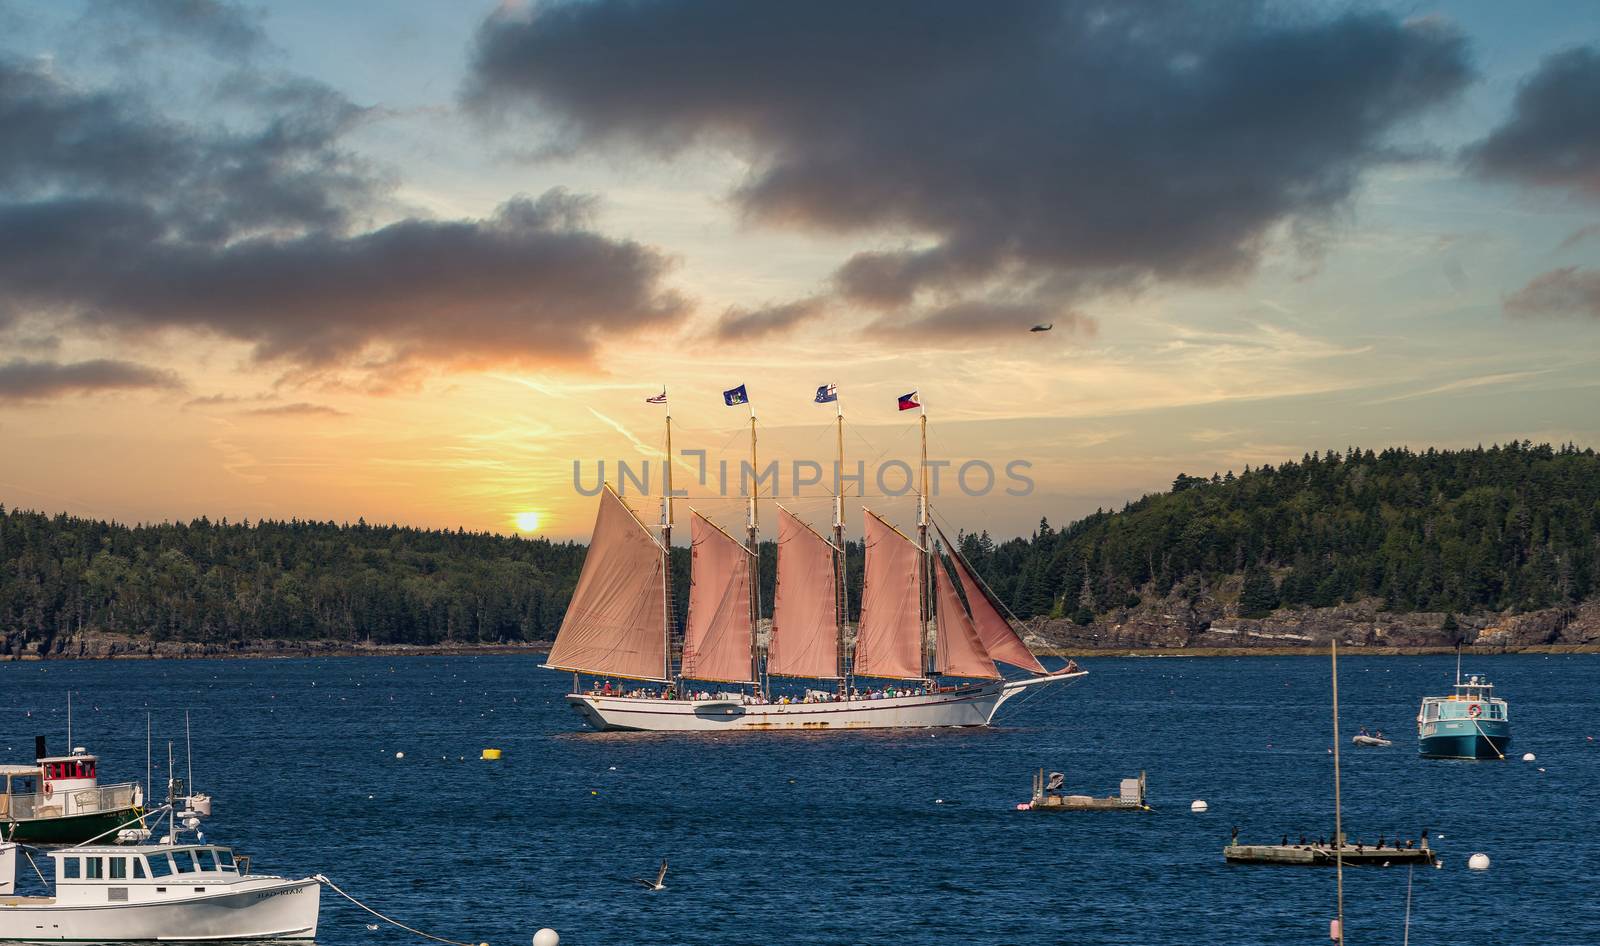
(86, 801)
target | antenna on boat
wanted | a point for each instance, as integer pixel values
(1458, 663)
(69, 721)
(188, 751)
(1338, 826)
(147, 757)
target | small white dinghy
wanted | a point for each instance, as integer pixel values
(1366, 740)
(173, 891)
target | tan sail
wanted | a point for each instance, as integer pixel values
(890, 640)
(716, 639)
(999, 638)
(616, 623)
(961, 653)
(805, 621)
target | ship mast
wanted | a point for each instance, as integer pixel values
(666, 557)
(840, 602)
(926, 603)
(755, 560)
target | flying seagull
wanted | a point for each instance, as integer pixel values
(1043, 327)
(660, 883)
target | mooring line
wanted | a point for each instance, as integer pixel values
(320, 878)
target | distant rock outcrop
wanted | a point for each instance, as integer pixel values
(1204, 621)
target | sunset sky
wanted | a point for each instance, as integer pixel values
(409, 261)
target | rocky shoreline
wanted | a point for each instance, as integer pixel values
(1204, 623)
(1197, 626)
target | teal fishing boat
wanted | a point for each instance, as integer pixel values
(1470, 723)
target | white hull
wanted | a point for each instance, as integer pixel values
(267, 909)
(973, 705)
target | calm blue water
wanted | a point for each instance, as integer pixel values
(805, 838)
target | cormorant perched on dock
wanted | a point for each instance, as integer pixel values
(1302, 837)
(1235, 834)
(1286, 840)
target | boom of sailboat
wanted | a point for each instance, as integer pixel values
(619, 624)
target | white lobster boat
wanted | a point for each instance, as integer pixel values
(935, 656)
(155, 892)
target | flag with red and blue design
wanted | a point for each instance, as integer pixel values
(909, 401)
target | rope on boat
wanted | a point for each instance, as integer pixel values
(321, 878)
(1490, 740)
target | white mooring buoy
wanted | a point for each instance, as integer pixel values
(1198, 805)
(1527, 757)
(1478, 862)
(546, 937)
(399, 755)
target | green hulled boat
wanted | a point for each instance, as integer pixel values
(59, 800)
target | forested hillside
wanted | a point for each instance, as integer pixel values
(209, 581)
(1504, 528)
(1501, 528)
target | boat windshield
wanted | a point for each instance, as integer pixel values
(160, 865)
(207, 858)
(225, 856)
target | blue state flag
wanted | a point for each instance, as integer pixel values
(736, 396)
(827, 394)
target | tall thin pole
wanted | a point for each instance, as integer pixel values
(188, 753)
(69, 722)
(755, 558)
(666, 559)
(925, 605)
(147, 748)
(840, 603)
(1338, 823)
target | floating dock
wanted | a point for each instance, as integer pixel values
(1048, 797)
(1317, 855)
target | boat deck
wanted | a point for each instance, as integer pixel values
(1323, 856)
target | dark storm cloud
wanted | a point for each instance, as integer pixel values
(1552, 138)
(746, 324)
(23, 380)
(1568, 292)
(523, 285)
(1031, 141)
(113, 216)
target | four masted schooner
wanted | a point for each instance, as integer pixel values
(620, 626)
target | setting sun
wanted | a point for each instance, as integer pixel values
(527, 521)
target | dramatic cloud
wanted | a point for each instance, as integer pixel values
(1026, 145)
(113, 217)
(22, 380)
(1552, 138)
(746, 324)
(1568, 292)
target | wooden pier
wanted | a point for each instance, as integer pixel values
(1047, 797)
(1316, 855)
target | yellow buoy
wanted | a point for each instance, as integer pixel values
(491, 754)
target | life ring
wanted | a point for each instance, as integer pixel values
(1474, 710)
(49, 789)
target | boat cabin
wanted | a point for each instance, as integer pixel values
(55, 787)
(123, 874)
(1472, 699)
